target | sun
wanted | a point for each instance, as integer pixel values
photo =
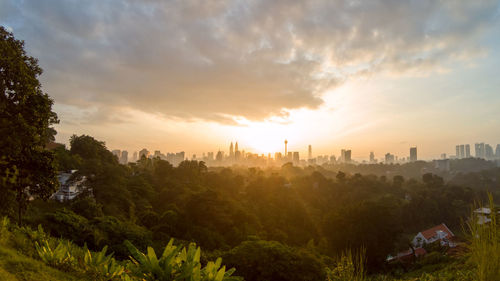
(265, 137)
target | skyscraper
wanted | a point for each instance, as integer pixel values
(277, 156)
(231, 151)
(488, 152)
(467, 151)
(372, 157)
(413, 154)
(462, 151)
(219, 156)
(479, 149)
(296, 158)
(143, 153)
(457, 153)
(389, 158)
(237, 153)
(309, 152)
(124, 157)
(134, 157)
(116, 153)
(157, 154)
(286, 148)
(497, 152)
(347, 156)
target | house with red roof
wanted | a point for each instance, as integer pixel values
(437, 233)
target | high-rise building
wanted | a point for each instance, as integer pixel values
(286, 148)
(143, 153)
(372, 157)
(467, 151)
(497, 151)
(237, 153)
(333, 159)
(479, 149)
(210, 156)
(309, 152)
(124, 157)
(413, 154)
(347, 156)
(157, 154)
(462, 151)
(443, 164)
(277, 156)
(231, 151)
(389, 158)
(219, 156)
(116, 153)
(457, 154)
(296, 158)
(134, 157)
(488, 152)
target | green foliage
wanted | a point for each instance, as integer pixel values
(59, 257)
(349, 267)
(101, 266)
(4, 230)
(176, 264)
(14, 266)
(26, 168)
(270, 260)
(485, 246)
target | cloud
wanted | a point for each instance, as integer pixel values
(221, 60)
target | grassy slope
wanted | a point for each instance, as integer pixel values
(17, 267)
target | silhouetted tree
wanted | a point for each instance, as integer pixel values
(25, 119)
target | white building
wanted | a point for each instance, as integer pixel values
(440, 232)
(69, 188)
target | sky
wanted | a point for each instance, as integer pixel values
(191, 75)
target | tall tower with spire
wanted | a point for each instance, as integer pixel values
(231, 151)
(286, 148)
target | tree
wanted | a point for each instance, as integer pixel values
(25, 119)
(271, 260)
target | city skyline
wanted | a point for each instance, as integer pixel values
(481, 150)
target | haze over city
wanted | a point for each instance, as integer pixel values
(194, 76)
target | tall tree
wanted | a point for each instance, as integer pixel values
(25, 119)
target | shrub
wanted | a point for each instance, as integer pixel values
(101, 266)
(4, 230)
(485, 246)
(60, 257)
(271, 260)
(176, 264)
(349, 267)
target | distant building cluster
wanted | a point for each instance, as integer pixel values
(481, 150)
(235, 156)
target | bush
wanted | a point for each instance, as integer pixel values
(349, 267)
(101, 266)
(60, 257)
(176, 264)
(485, 247)
(4, 230)
(270, 260)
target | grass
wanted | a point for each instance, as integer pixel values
(17, 267)
(485, 246)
